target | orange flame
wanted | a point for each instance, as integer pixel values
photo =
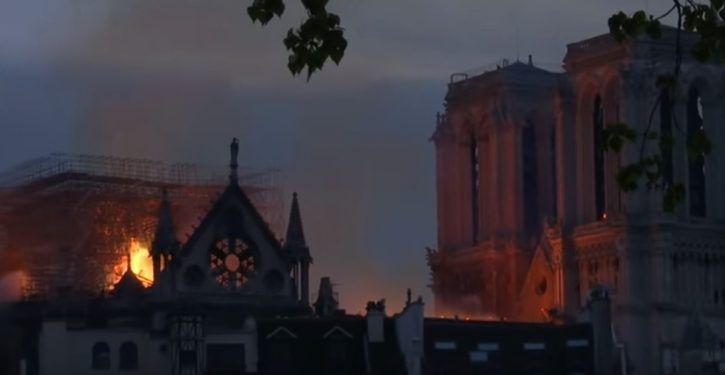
(141, 264)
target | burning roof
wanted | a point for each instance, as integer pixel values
(71, 222)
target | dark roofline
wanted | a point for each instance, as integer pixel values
(498, 323)
(233, 189)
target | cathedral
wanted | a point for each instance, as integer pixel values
(232, 299)
(531, 218)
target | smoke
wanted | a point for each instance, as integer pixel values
(11, 286)
(176, 79)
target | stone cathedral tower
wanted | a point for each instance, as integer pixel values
(495, 178)
(531, 219)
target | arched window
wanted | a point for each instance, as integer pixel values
(475, 189)
(696, 180)
(129, 356)
(598, 149)
(101, 356)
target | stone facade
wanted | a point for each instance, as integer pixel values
(531, 219)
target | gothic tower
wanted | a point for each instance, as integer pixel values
(495, 166)
(518, 145)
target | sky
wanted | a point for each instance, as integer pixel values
(175, 80)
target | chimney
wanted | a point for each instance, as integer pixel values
(531, 61)
(601, 320)
(409, 330)
(375, 319)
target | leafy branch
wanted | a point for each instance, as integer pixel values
(704, 20)
(318, 39)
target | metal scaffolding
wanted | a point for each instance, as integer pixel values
(67, 218)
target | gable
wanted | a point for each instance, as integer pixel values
(337, 333)
(281, 332)
(538, 291)
(233, 197)
(233, 251)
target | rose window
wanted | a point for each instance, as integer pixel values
(232, 262)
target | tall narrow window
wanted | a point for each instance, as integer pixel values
(598, 122)
(128, 356)
(696, 162)
(531, 199)
(101, 356)
(666, 131)
(475, 188)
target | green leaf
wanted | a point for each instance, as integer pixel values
(316, 40)
(701, 51)
(315, 6)
(665, 81)
(673, 196)
(253, 13)
(653, 29)
(698, 143)
(616, 23)
(614, 136)
(277, 7)
(666, 143)
(628, 176)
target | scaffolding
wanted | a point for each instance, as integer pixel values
(68, 218)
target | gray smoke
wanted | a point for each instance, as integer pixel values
(176, 79)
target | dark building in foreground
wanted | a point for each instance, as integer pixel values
(233, 299)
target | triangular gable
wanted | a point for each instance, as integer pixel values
(337, 329)
(281, 331)
(231, 192)
(538, 259)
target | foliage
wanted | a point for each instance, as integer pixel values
(319, 38)
(704, 20)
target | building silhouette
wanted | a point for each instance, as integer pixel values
(531, 218)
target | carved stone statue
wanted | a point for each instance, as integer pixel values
(234, 148)
(234, 151)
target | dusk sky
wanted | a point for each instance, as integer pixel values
(175, 80)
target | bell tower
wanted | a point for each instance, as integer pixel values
(495, 179)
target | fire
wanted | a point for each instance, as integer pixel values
(141, 264)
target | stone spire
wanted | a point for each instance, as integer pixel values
(295, 240)
(164, 245)
(164, 242)
(326, 303)
(295, 248)
(233, 164)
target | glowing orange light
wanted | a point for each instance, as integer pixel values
(141, 264)
(604, 216)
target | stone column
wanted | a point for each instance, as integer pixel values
(601, 317)
(711, 120)
(483, 189)
(305, 282)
